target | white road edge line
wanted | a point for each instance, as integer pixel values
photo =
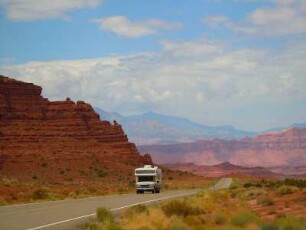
(114, 209)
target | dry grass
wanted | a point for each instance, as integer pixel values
(265, 201)
(14, 191)
(219, 210)
(285, 189)
(229, 209)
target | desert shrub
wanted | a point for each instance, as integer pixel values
(112, 226)
(258, 185)
(221, 195)
(144, 228)
(10, 182)
(233, 186)
(270, 226)
(13, 196)
(134, 164)
(1, 134)
(291, 223)
(34, 177)
(132, 183)
(90, 226)
(100, 172)
(180, 208)
(301, 183)
(44, 164)
(252, 193)
(40, 194)
(65, 191)
(100, 226)
(170, 178)
(265, 201)
(134, 210)
(2, 201)
(104, 215)
(271, 212)
(178, 224)
(92, 190)
(83, 192)
(273, 184)
(247, 185)
(140, 208)
(236, 192)
(208, 205)
(226, 227)
(72, 194)
(122, 190)
(285, 189)
(244, 218)
(193, 220)
(219, 218)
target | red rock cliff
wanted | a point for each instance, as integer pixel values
(49, 140)
(273, 149)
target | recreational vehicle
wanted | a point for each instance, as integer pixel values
(148, 178)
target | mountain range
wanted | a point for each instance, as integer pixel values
(153, 128)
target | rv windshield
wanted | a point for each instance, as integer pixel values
(145, 178)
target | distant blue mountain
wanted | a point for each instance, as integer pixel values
(299, 125)
(295, 125)
(154, 128)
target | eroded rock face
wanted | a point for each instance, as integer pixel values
(286, 148)
(52, 140)
(220, 170)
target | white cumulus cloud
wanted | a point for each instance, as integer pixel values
(124, 27)
(284, 18)
(30, 10)
(228, 87)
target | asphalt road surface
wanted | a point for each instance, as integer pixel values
(222, 184)
(67, 214)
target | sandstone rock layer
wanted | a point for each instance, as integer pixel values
(285, 148)
(60, 139)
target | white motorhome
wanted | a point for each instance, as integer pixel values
(148, 178)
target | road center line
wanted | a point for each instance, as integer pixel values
(114, 209)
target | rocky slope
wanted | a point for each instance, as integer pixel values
(285, 148)
(59, 140)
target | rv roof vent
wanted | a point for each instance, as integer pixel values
(148, 166)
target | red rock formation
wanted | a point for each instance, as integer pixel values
(55, 140)
(274, 149)
(221, 170)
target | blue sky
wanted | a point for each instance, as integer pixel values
(216, 62)
(73, 35)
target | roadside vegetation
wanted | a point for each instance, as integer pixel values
(14, 191)
(280, 206)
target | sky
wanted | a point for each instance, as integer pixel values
(230, 62)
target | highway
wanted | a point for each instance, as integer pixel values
(66, 214)
(222, 184)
